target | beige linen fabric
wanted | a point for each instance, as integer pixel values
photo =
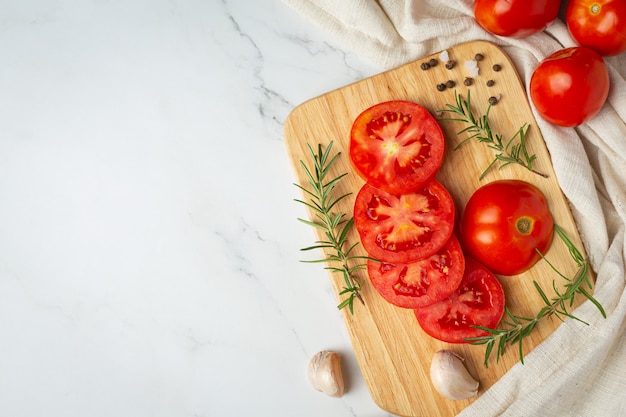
(578, 370)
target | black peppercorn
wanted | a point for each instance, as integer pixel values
(490, 83)
(479, 57)
(497, 67)
(468, 81)
(441, 87)
(450, 64)
(425, 66)
(450, 84)
(432, 62)
(493, 101)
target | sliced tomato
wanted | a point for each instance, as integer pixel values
(404, 228)
(396, 146)
(479, 301)
(420, 283)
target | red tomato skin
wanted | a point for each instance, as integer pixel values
(570, 86)
(478, 301)
(396, 146)
(404, 228)
(515, 18)
(489, 231)
(420, 283)
(598, 24)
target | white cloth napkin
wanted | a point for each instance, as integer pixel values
(579, 370)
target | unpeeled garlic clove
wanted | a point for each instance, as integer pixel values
(325, 374)
(450, 377)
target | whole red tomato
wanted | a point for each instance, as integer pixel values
(515, 18)
(598, 24)
(504, 224)
(570, 86)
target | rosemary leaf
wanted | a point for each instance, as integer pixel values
(519, 327)
(479, 128)
(335, 225)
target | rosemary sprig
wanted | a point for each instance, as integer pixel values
(512, 151)
(335, 225)
(516, 328)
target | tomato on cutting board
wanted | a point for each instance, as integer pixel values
(396, 146)
(402, 228)
(420, 283)
(478, 301)
(503, 225)
(598, 24)
(570, 86)
(515, 18)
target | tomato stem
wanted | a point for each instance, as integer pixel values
(524, 225)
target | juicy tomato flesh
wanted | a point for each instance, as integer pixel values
(504, 224)
(478, 301)
(402, 150)
(598, 24)
(396, 145)
(405, 221)
(420, 283)
(404, 228)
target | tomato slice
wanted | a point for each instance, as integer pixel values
(396, 146)
(420, 283)
(404, 228)
(479, 301)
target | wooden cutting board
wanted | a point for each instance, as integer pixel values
(393, 353)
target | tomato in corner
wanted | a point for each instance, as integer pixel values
(598, 24)
(570, 86)
(515, 18)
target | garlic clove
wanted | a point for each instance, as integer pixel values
(450, 377)
(325, 374)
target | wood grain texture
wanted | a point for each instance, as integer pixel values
(394, 354)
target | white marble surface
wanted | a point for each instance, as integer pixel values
(149, 252)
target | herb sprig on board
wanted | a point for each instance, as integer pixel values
(335, 225)
(516, 328)
(512, 151)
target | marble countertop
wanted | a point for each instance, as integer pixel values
(149, 248)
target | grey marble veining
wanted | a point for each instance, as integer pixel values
(149, 248)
